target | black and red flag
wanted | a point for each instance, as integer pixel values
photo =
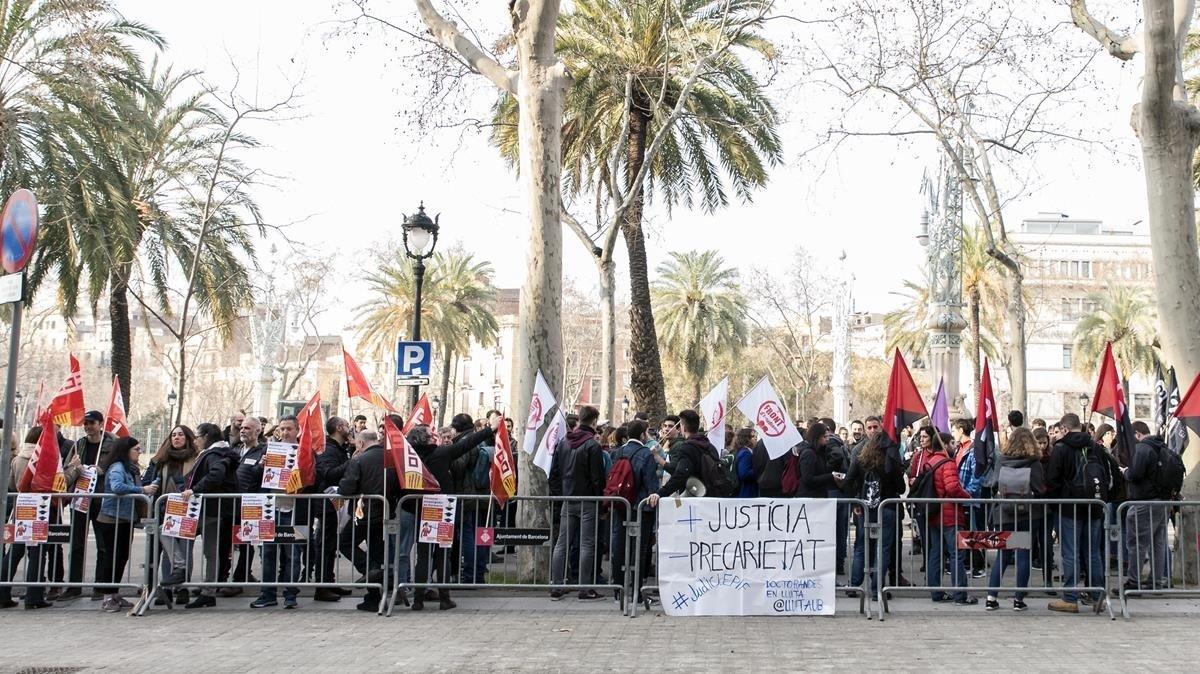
(987, 425)
(904, 404)
(1109, 401)
(1188, 410)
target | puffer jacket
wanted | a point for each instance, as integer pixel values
(945, 485)
(118, 480)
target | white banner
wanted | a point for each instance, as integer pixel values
(714, 407)
(728, 556)
(539, 405)
(764, 409)
(554, 434)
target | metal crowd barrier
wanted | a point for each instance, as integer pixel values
(322, 541)
(55, 555)
(1021, 527)
(642, 592)
(476, 548)
(1160, 538)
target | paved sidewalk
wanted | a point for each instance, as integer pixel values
(528, 633)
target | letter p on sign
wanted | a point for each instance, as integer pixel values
(413, 359)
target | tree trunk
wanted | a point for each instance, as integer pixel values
(446, 356)
(975, 346)
(608, 339)
(122, 344)
(181, 383)
(1016, 334)
(646, 380)
(542, 83)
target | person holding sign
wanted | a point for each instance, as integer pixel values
(690, 457)
(168, 470)
(35, 595)
(281, 561)
(214, 472)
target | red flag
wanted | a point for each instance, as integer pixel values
(312, 442)
(1188, 410)
(66, 408)
(904, 405)
(987, 425)
(420, 415)
(398, 452)
(114, 421)
(504, 479)
(45, 471)
(357, 385)
(1110, 402)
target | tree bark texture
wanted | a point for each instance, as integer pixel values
(122, 347)
(608, 339)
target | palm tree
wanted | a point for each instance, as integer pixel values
(630, 61)
(147, 143)
(907, 328)
(1124, 315)
(702, 311)
(986, 295)
(456, 306)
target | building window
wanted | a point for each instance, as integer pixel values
(1141, 405)
(594, 392)
(1085, 269)
(1064, 268)
(1066, 356)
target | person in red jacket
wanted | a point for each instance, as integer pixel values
(941, 529)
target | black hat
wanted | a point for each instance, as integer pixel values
(93, 415)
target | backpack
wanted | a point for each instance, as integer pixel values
(729, 464)
(1014, 483)
(872, 490)
(1092, 478)
(925, 486)
(789, 481)
(715, 477)
(1168, 474)
(481, 472)
(620, 482)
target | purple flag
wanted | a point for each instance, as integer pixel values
(940, 415)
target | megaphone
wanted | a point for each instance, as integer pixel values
(695, 488)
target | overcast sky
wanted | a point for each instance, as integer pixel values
(351, 164)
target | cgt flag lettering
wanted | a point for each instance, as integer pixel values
(540, 403)
(504, 478)
(1177, 435)
(357, 385)
(66, 407)
(555, 432)
(420, 415)
(1109, 401)
(398, 452)
(114, 421)
(986, 425)
(45, 471)
(311, 442)
(714, 407)
(1161, 413)
(763, 407)
(904, 405)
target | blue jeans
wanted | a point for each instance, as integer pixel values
(1003, 559)
(1082, 539)
(861, 540)
(404, 542)
(280, 560)
(943, 542)
(475, 558)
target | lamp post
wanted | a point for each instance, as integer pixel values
(1084, 399)
(625, 408)
(420, 238)
(940, 233)
(496, 395)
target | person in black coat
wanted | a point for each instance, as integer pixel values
(215, 472)
(330, 467)
(366, 475)
(690, 455)
(816, 477)
(249, 481)
(437, 459)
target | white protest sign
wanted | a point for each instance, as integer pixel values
(557, 430)
(714, 407)
(726, 556)
(181, 517)
(278, 464)
(86, 484)
(764, 409)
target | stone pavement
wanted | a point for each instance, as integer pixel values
(493, 631)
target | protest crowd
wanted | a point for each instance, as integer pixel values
(349, 478)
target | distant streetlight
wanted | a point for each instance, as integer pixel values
(1084, 398)
(420, 238)
(625, 408)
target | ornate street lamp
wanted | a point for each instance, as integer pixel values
(941, 234)
(420, 238)
(625, 408)
(1084, 399)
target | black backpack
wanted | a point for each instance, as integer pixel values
(1092, 478)
(715, 477)
(1168, 474)
(925, 486)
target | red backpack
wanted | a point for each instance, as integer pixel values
(620, 483)
(789, 481)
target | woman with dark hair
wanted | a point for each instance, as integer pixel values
(816, 477)
(1020, 476)
(942, 522)
(115, 522)
(875, 474)
(213, 472)
(168, 470)
(1105, 435)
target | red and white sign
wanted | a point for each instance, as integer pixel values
(114, 422)
(541, 402)
(554, 434)
(763, 406)
(994, 540)
(714, 407)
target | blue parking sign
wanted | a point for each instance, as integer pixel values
(413, 359)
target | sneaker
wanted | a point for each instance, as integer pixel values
(290, 603)
(202, 601)
(1019, 605)
(941, 598)
(978, 573)
(110, 605)
(70, 593)
(968, 601)
(1099, 605)
(1063, 606)
(263, 602)
(1037, 566)
(991, 604)
(1085, 600)
(589, 595)
(557, 595)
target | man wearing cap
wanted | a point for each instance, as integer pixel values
(86, 451)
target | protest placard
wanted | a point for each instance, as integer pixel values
(258, 519)
(437, 520)
(278, 464)
(86, 484)
(31, 519)
(181, 517)
(763, 556)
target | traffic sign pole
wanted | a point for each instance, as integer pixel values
(10, 392)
